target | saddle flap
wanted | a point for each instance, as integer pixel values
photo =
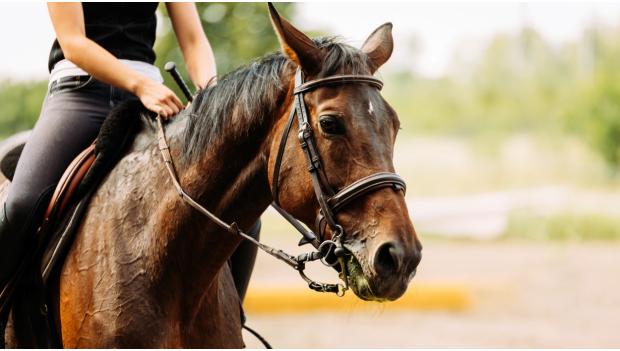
(69, 182)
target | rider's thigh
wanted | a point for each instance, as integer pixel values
(69, 122)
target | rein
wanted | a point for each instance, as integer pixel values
(330, 252)
(297, 262)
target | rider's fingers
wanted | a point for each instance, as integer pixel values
(172, 106)
(177, 102)
(165, 111)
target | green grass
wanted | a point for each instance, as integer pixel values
(562, 227)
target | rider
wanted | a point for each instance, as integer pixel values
(103, 55)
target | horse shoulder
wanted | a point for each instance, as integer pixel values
(104, 285)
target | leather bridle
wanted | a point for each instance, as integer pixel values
(330, 202)
(329, 251)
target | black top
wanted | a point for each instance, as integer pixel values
(127, 30)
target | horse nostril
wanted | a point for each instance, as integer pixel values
(388, 258)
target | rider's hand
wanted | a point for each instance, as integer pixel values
(158, 98)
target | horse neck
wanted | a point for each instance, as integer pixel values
(231, 181)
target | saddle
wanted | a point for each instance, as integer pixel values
(31, 287)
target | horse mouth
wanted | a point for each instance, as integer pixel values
(369, 286)
(357, 280)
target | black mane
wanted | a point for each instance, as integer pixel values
(250, 93)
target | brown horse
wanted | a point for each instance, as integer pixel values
(146, 270)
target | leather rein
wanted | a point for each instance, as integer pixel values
(330, 252)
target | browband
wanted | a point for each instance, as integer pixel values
(337, 80)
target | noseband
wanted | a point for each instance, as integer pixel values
(330, 252)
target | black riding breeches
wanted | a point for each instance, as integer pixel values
(71, 116)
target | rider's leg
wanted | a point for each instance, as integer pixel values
(242, 261)
(69, 121)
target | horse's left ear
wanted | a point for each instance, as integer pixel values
(295, 44)
(379, 46)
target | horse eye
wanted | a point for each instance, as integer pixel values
(331, 125)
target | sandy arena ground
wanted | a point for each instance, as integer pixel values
(523, 295)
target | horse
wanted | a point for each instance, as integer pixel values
(146, 270)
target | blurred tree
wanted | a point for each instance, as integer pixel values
(517, 83)
(238, 33)
(595, 111)
(20, 104)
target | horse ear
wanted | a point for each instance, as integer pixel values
(379, 46)
(295, 44)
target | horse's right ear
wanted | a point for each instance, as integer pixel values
(295, 44)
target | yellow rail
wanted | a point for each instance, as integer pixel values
(275, 300)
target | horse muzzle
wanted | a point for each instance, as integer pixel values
(382, 274)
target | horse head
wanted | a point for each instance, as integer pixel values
(354, 130)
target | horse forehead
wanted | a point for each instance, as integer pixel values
(353, 99)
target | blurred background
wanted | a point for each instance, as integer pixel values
(510, 146)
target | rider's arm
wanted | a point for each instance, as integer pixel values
(68, 21)
(194, 44)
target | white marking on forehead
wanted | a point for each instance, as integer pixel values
(371, 109)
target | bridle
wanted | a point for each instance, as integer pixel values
(330, 251)
(330, 202)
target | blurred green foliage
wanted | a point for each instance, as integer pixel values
(561, 227)
(486, 95)
(20, 103)
(521, 83)
(596, 108)
(238, 33)
(516, 83)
